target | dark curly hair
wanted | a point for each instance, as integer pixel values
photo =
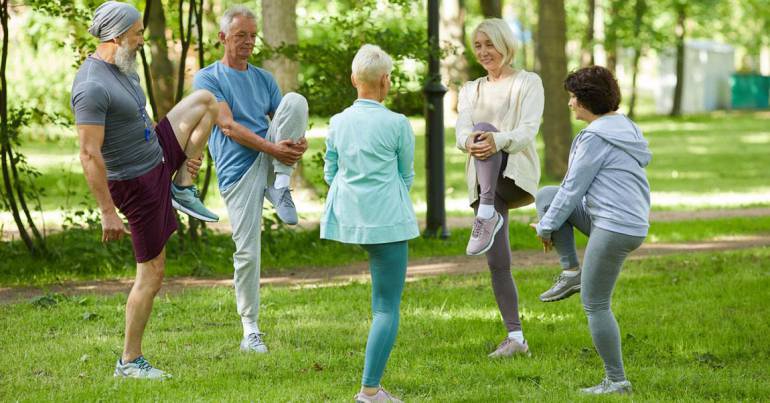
(595, 88)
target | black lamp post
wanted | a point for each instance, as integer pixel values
(434, 130)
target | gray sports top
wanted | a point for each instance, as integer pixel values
(103, 95)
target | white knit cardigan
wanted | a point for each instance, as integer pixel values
(519, 127)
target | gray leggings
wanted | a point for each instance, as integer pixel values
(496, 189)
(604, 257)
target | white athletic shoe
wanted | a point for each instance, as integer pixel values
(139, 369)
(253, 343)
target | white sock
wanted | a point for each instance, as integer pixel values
(249, 327)
(517, 335)
(486, 211)
(571, 272)
(281, 181)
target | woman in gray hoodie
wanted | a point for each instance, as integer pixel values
(605, 194)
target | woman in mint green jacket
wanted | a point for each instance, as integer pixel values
(369, 166)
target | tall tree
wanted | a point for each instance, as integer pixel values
(587, 54)
(680, 8)
(640, 9)
(551, 40)
(454, 66)
(279, 28)
(492, 8)
(161, 68)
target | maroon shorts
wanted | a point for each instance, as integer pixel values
(146, 200)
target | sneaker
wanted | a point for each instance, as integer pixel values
(186, 200)
(483, 234)
(283, 204)
(608, 387)
(563, 287)
(140, 369)
(253, 343)
(381, 396)
(510, 347)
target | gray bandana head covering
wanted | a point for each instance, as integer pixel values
(112, 19)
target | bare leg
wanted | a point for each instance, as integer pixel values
(192, 119)
(149, 278)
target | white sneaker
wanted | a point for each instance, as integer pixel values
(381, 396)
(139, 369)
(609, 387)
(253, 343)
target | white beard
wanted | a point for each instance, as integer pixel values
(125, 59)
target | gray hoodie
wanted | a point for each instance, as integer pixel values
(606, 174)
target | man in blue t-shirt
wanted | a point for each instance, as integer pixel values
(257, 139)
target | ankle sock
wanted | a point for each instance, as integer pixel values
(570, 273)
(486, 211)
(281, 181)
(517, 335)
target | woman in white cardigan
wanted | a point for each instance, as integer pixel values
(498, 119)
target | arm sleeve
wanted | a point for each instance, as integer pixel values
(205, 81)
(531, 114)
(275, 94)
(90, 102)
(589, 155)
(330, 158)
(405, 153)
(464, 125)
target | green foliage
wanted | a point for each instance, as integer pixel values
(328, 43)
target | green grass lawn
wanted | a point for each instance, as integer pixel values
(702, 154)
(78, 254)
(694, 328)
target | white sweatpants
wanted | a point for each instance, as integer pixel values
(244, 201)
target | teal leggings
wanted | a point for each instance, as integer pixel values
(387, 264)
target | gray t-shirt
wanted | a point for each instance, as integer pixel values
(103, 95)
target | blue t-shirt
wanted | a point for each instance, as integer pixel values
(251, 94)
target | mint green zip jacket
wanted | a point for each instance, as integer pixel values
(369, 166)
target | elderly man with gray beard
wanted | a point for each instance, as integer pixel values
(129, 163)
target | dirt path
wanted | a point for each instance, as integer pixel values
(417, 268)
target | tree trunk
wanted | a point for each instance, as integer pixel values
(611, 34)
(639, 10)
(161, 67)
(454, 67)
(681, 11)
(557, 130)
(587, 54)
(279, 28)
(492, 8)
(5, 141)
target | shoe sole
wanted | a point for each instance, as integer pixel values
(491, 239)
(190, 212)
(568, 293)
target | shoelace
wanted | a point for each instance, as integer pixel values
(255, 339)
(478, 227)
(143, 364)
(286, 198)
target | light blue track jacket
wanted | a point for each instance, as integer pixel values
(606, 173)
(369, 166)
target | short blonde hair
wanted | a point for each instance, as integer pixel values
(498, 31)
(371, 63)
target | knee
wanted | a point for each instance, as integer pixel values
(296, 101)
(544, 198)
(207, 99)
(594, 305)
(246, 258)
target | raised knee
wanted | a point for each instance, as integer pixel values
(545, 196)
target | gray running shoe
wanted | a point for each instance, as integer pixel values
(483, 234)
(253, 343)
(609, 387)
(381, 396)
(510, 347)
(186, 200)
(562, 288)
(283, 204)
(139, 369)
